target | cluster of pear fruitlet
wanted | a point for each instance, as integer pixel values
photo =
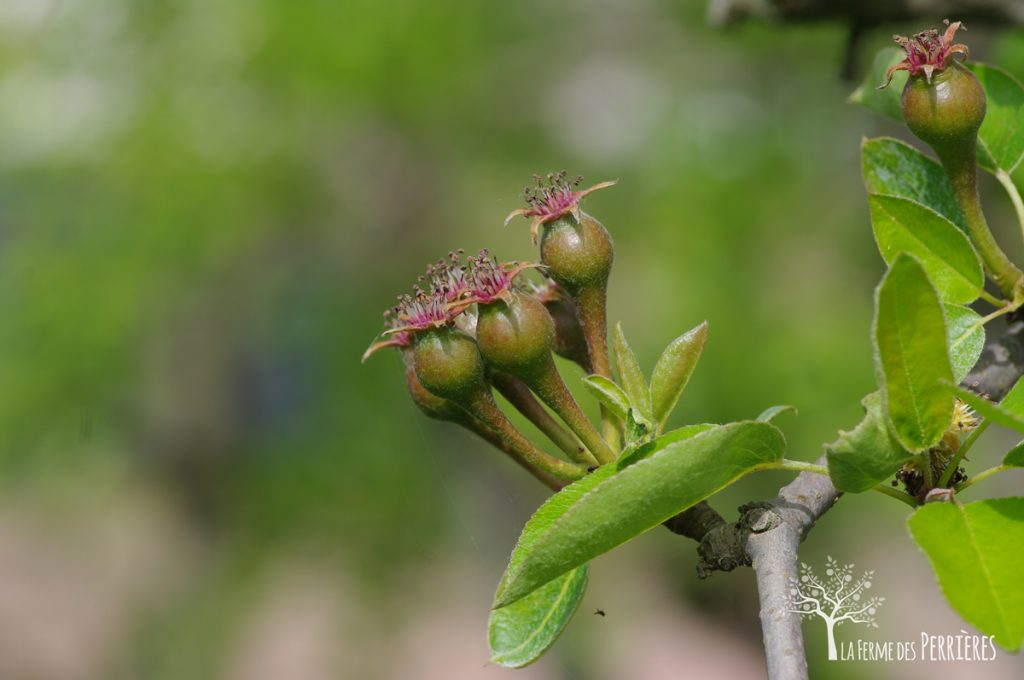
(474, 324)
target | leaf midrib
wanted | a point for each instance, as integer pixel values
(984, 569)
(547, 617)
(906, 369)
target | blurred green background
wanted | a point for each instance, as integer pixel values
(205, 206)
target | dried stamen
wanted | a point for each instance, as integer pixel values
(927, 52)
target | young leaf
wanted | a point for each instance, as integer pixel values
(592, 516)
(673, 371)
(894, 168)
(630, 375)
(1001, 137)
(886, 101)
(945, 252)
(632, 455)
(1015, 457)
(770, 413)
(522, 631)
(638, 429)
(966, 339)
(976, 551)
(609, 394)
(867, 455)
(911, 356)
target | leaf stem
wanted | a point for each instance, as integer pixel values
(947, 474)
(1018, 204)
(801, 466)
(992, 316)
(993, 300)
(895, 493)
(984, 474)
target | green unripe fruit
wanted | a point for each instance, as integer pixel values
(946, 112)
(578, 254)
(448, 364)
(515, 336)
(429, 403)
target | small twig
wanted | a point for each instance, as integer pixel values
(1000, 365)
(768, 534)
(799, 466)
(991, 12)
(983, 475)
(897, 494)
(775, 535)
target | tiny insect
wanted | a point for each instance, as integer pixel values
(599, 612)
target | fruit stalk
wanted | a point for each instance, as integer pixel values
(482, 406)
(518, 394)
(448, 364)
(444, 410)
(962, 170)
(515, 336)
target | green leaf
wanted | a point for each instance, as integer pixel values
(609, 394)
(1013, 400)
(976, 551)
(522, 631)
(1001, 137)
(673, 371)
(966, 339)
(997, 413)
(945, 252)
(630, 375)
(867, 455)
(1015, 457)
(911, 356)
(614, 504)
(894, 168)
(770, 413)
(886, 101)
(557, 505)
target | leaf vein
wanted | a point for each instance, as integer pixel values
(547, 617)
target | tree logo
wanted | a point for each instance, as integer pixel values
(837, 598)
